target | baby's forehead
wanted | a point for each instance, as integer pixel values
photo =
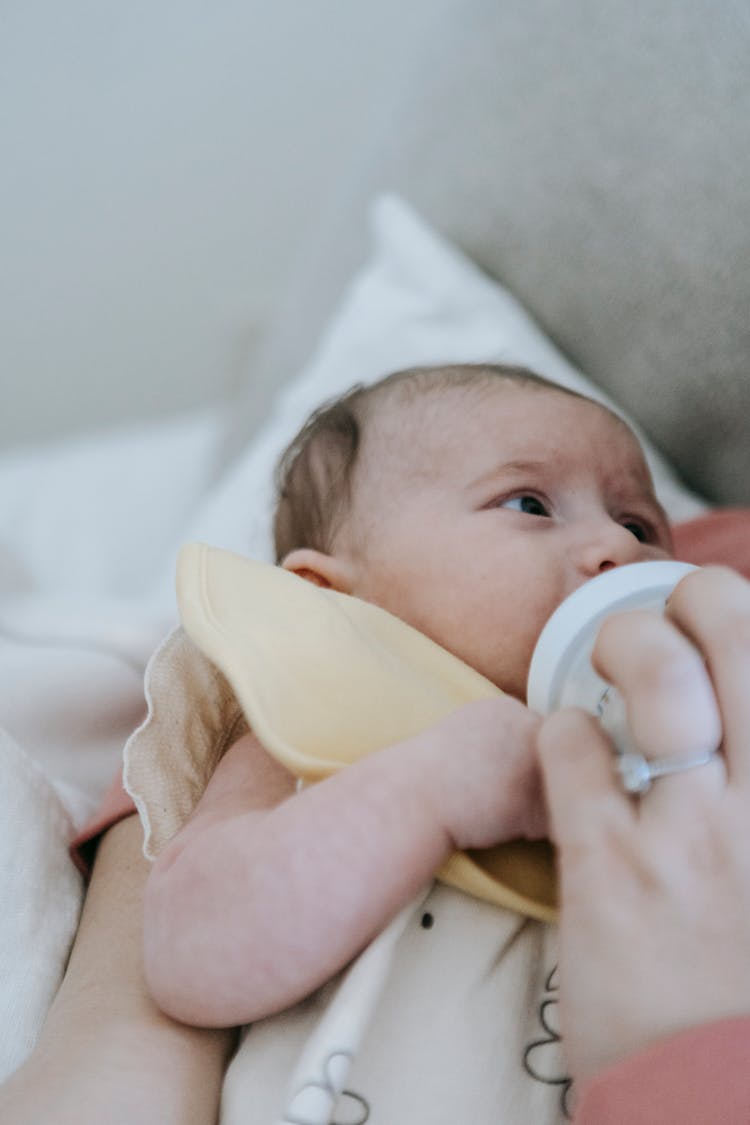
(413, 430)
(454, 436)
(407, 430)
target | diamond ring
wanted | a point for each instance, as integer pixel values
(637, 773)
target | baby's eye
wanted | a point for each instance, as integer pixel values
(640, 530)
(530, 505)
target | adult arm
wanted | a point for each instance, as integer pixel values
(266, 893)
(106, 1052)
(655, 922)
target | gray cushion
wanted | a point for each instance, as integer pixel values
(595, 158)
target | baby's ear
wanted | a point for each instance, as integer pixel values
(322, 570)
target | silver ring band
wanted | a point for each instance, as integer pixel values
(637, 773)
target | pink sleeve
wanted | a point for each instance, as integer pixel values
(722, 536)
(116, 805)
(700, 1077)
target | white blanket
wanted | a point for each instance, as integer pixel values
(79, 556)
(41, 898)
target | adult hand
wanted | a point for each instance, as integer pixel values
(655, 919)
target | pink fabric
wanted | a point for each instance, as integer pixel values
(717, 537)
(701, 1077)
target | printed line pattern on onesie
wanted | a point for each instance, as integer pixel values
(543, 1050)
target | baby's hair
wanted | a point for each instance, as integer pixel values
(314, 474)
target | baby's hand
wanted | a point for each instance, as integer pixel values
(483, 775)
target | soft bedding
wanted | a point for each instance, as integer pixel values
(78, 622)
(89, 532)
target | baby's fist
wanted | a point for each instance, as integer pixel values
(483, 773)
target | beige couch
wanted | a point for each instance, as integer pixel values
(595, 158)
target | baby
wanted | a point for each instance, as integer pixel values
(468, 501)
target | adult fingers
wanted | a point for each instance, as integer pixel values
(671, 707)
(582, 791)
(712, 607)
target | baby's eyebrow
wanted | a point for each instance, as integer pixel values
(516, 466)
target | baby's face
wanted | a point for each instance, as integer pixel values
(477, 511)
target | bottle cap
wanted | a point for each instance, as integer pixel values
(561, 674)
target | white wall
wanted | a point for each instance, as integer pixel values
(160, 163)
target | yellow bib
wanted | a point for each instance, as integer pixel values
(324, 678)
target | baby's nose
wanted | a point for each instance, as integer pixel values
(609, 545)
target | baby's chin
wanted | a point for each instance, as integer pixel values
(511, 686)
(510, 680)
(515, 681)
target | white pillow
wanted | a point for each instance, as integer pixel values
(417, 300)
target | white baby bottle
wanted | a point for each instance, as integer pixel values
(561, 673)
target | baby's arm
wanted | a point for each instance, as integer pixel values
(266, 893)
